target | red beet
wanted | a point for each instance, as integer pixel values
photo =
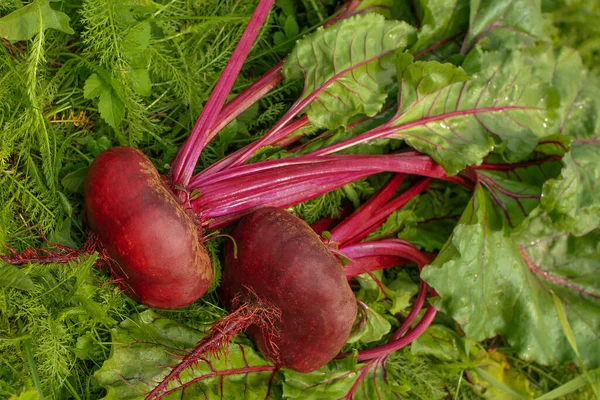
(283, 261)
(157, 246)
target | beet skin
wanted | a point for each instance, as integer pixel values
(283, 261)
(161, 260)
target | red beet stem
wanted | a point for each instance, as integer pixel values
(247, 98)
(389, 252)
(283, 183)
(379, 218)
(225, 162)
(187, 158)
(403, 250)
(327, 223)
(277, 132)
(400, 162)
(366, 265)
(393, 247)
(370, 217)
(254, 93)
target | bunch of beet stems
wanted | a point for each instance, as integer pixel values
(229, 190)
(344, 240)
(368, 256)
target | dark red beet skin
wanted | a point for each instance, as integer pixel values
(161, 260)
(283, 261)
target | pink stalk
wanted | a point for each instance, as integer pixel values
(279, 134)
(390, 252)
(276, 133)
(400, 162)
(391, 247)
(352, 230)
(217, 218)
(365, 265)
(403, 251)
(283, 183)
(247, 98)
(379, 218)
(187, 158)
(290, 138)
(355, 222)
(258, 90)
(286, 132)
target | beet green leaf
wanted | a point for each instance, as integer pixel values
(348, 67)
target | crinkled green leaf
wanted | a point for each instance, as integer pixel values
(442, 21)
(509, 22)
(574, 198)
(390, 9)
(568, 77)
(494, 281)
(427, 77)
(502, 109)
(378, 295)
(336, 381)
(518, 272)
(28, 21)
(11, 276)
(348, 67)
(146, 344)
